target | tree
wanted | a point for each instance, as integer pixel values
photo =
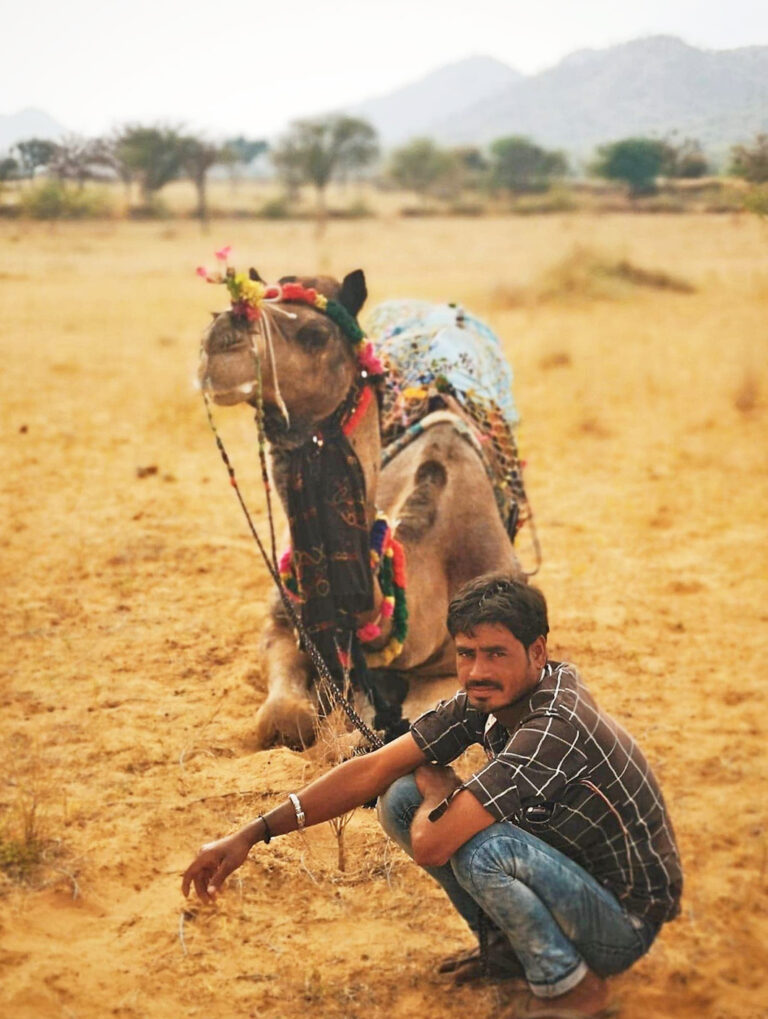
(245, 150)
(686, 160)
(9, 169)
(421, 165)
(635, 161)
(197, 157)
(238, 153)
(314, 151)
(33, 153)
(82, 159)
(751, 161)
(152, 155)
(519, 165)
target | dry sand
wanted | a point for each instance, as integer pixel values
(132, 602)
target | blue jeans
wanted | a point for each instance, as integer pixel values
(558, 919)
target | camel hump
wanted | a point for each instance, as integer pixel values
(427, 344)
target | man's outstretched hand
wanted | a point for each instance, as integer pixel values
(214, 863)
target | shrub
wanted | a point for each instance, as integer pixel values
(153, 207)
(55, 200)
(275, 208)
(756, 201)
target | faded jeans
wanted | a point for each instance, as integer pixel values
(558, 919)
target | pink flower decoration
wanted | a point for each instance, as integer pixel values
(223, 253)
(367, 359)
(202, 271)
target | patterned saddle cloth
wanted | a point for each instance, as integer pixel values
(439, 357)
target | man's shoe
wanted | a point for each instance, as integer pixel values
(468, 966)
(587, 1000)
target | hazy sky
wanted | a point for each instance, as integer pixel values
(244, 66)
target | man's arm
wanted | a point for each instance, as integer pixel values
(339, 790)
(435, 841)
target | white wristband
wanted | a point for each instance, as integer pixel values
(300, 815)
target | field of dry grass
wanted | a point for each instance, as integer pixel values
(132, 602)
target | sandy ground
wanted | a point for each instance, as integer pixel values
(132, 601)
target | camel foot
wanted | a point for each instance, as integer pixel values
(286, 721)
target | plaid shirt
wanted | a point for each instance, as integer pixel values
(571, 775)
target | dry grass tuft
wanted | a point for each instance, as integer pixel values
(587, 273)
(22, 844)
(557, 359)
(747, 395)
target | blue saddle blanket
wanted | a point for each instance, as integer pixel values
(429, 344)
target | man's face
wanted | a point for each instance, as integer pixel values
(494, 668)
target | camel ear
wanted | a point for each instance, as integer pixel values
(353, 292)
(253, 275)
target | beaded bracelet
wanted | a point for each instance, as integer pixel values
(267, 832)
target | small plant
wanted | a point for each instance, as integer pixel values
(21, 842)
(756, 201)
(275, 208)
(55, 200)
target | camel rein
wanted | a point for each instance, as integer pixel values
(329, 686)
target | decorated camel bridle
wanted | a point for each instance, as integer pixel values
(258, 304)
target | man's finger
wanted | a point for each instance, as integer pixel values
(201, 884)
(223, 871)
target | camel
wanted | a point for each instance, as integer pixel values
(281, 349)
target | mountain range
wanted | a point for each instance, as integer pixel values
(658, 85)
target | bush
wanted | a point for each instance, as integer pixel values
(54, 200)
(275, 208)
(153, 208)
(756, 201)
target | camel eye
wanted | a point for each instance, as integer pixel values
(313, 335)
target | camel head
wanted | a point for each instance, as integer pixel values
(307, 362)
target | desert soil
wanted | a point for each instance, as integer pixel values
(132, 601)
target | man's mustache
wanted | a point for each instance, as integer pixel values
(482, 684)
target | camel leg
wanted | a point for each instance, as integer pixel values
(289, 714)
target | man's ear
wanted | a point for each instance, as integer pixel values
(537, 652)
(353, 292)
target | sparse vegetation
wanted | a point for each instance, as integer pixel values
(637, 162)
(751, 161)
(52, 199)
(520, 166)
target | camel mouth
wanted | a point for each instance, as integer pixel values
(228, 397)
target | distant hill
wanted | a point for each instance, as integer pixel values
(29, 123)
(414, 109)
(650, 86)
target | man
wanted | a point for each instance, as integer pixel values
(561, 841)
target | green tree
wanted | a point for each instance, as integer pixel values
(315, 151)
(151, 155)
(751, 161)
(33, 153)
(519, 165)
(421, 166)
(197, 158)
(9, 169)
(245, 150)
(637, 162)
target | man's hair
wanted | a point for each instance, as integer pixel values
(500, 598)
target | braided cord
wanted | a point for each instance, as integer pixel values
(308, 644)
